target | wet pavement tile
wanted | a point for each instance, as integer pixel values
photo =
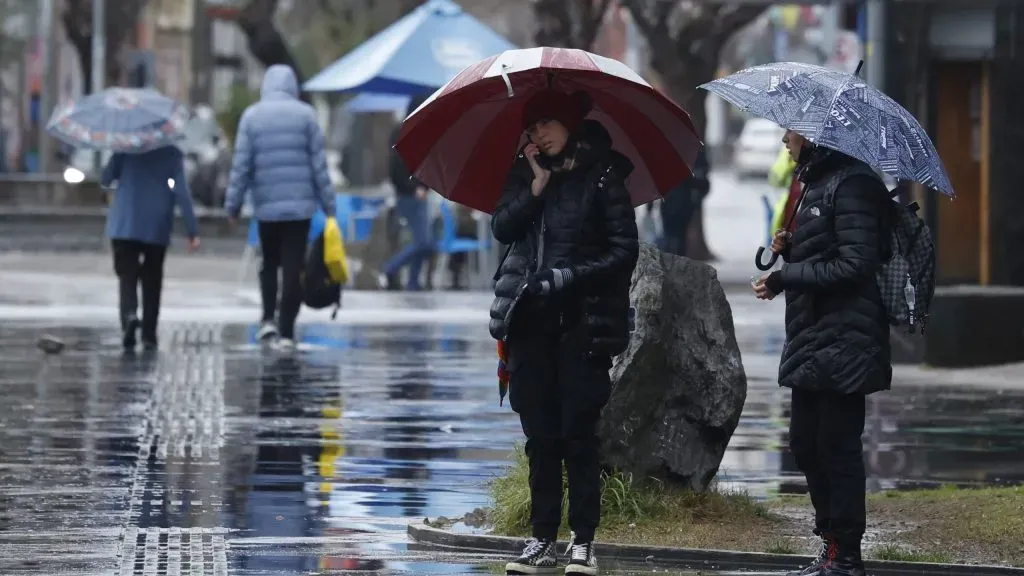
(214, 456)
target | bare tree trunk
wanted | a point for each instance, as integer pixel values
(266, 43)
(569, 23)
(121, 18)
(686, 39)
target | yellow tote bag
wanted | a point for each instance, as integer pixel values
(334, 252)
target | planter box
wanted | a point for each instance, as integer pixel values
(975, 326)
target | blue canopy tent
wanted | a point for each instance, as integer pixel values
(418, 53)
(366, 102)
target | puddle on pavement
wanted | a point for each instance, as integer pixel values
(217, 457)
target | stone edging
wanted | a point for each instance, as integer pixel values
(698, 559)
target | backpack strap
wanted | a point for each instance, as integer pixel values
(840, 176)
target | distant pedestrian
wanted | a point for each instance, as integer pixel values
(411, 206)
(679, 206)
(570, 219)
(139, 223)
(837, 339)
(280, 159)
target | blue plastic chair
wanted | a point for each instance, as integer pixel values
(450, 243)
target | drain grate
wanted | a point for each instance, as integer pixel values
(174, 552)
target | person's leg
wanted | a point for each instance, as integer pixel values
(422, 240)
(841, 451)
(584, 387)
(532, 396)
(294, 239)
(405, 209)
(126, 267)
(270, 245)
(152, 276)
(804, 432)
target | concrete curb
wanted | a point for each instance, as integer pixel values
(697, 559)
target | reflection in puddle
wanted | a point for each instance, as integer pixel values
(221, 457)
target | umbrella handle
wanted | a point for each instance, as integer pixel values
(508, 83)
(761, 265)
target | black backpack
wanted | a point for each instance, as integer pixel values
(318, 289)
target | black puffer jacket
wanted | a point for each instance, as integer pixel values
(837, 332)
(589, 224)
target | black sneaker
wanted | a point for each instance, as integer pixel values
(821, 560)
(581, 558)
(846, 560)
(131, 327)
(538, 557)
(149, 344)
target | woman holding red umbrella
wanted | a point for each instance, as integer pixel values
(545, 140)
(566, 212)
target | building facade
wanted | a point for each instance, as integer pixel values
(957, 65)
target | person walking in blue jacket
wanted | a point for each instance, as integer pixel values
(280, 159)
(139, 223)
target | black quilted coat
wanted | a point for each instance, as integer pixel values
(588, 224)
(837, 333)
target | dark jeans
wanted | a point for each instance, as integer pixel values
(676, 213)
(138, 263)
(825, 431)
(284, 246)
(416, 214)
(558, 392)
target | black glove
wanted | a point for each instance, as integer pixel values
(551, 280)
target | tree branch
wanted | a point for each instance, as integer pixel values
(654, 28)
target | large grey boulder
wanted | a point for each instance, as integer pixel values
(679, 388)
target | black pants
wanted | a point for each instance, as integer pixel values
(676, 213)
(558, 392)
(825, 431)
(284, 246)
(138, 263)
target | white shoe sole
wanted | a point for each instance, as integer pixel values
(577, 569)
(517, 568)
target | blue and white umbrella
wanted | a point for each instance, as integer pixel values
(838, 111)
(131, 120)
(419, 53)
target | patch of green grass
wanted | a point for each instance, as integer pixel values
(941, 525)
(895, 553)
(623, 499)
(626, 503)
(780, 547)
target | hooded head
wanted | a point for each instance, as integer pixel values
(280, 79)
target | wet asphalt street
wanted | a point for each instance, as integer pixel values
(216, 457)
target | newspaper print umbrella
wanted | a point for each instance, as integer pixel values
(131, 120)
(462, 141)
(839, 111)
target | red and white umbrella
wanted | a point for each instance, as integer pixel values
(462, 141)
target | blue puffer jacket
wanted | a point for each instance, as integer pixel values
(279, 155)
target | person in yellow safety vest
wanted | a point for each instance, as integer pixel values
(781, 175)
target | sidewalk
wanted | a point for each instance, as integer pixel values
(735, 225)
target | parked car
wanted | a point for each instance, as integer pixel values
(757, 148)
